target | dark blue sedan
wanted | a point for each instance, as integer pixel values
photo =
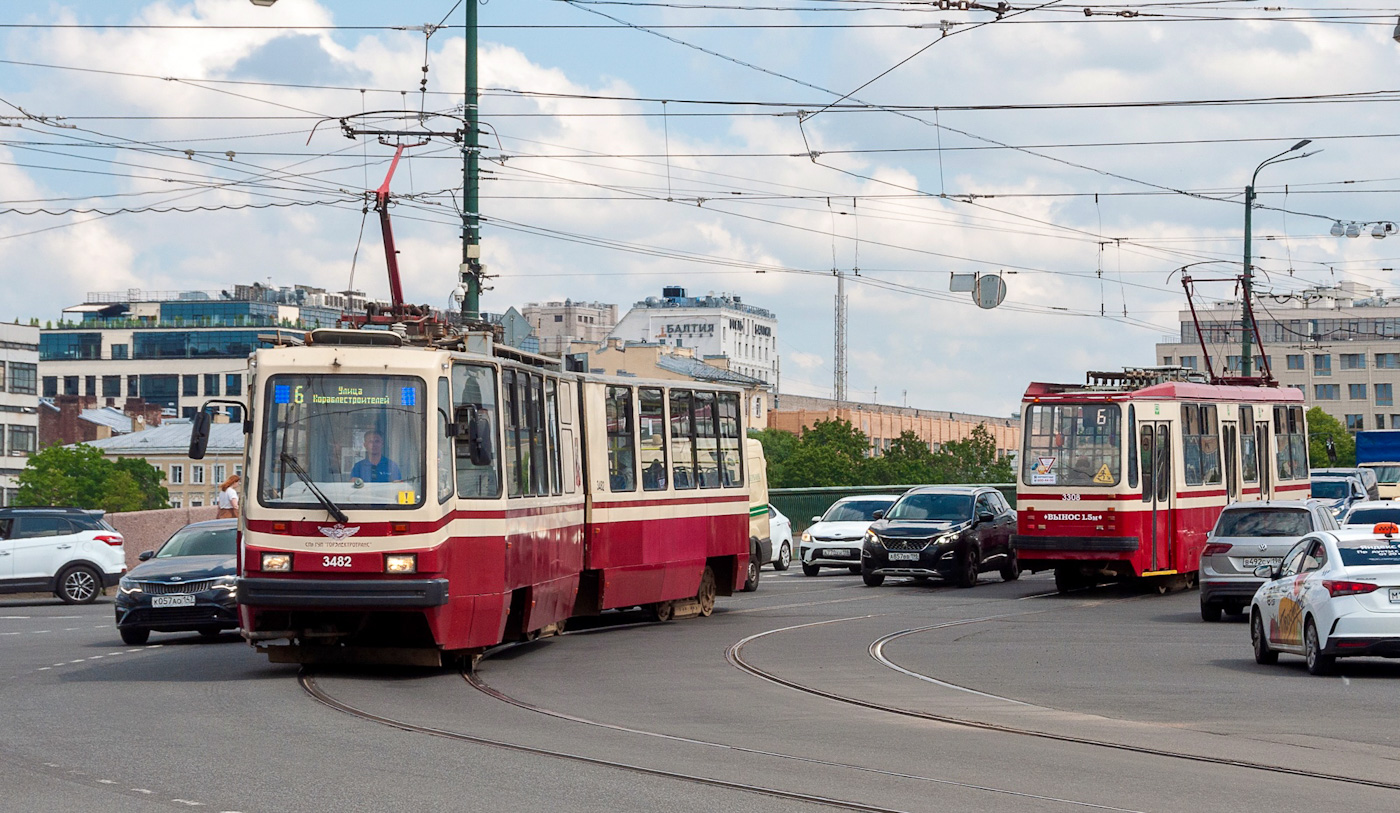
(189, 584)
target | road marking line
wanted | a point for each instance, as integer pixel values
(80, 660)
(142, 790)
(45, 668)
(15, 617)
(71, 629)
(107, 781)
(11, 633)
(188, 802)
(39, 632)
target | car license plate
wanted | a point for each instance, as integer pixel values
(838, 553)
(172, 601)
(1395, 595)
(904, 557)
(1250, 564)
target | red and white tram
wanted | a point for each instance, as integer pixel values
(417, 504)
(1123, 477)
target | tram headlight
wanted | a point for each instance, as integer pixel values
(277, 562)
(401, 563)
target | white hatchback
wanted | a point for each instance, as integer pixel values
(67, 551)
(835, 538)
(1335, 595)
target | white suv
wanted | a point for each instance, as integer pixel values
(67, 551)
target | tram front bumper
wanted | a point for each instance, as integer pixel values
(342, 594)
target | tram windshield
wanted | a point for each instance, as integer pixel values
(357, 440)
(1073, 445)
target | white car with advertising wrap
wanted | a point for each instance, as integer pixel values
(1336, 594)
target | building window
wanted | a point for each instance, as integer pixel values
(133, 386)
(1233, 364)
(111, 386)
(1388, 361)
(196, 500)
(188, 412)
(1385, 395)
(211, 383)
(1322, 364)
(1326, 392)
(219, 475)
(1189, 362)
(235, 414)
(177, 501)
(23, 439)
(1355, 423)
(1353, 361)
(558, 317)
(50, 386)
(1166, 361)
(1380, 421)
(119, 352)
(1296, 363)
(90, 385)
(23, 378)
(1394, 421)
(1357, 392)
(177, 474)
(197, 474)
(233, 384)
(191, 385)
(70, 385)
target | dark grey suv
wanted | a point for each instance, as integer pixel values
(954, 532)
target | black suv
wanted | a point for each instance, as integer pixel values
(954, 532)
(70, 552)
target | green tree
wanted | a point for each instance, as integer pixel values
(147, 479)
(778, 447)
(80, 476)
(1323, 427)
(908, 460)
(973, 460)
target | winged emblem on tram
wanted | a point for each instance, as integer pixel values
(338, 531)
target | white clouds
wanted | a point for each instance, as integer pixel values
(602, 169)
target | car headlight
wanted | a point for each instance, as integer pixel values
(229, 583)
(277, 562)
(127, 586)
(871, 538)
(401, 563)
(806, 537)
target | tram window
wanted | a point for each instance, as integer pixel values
(1148, 489)
(444, 444)
(512, 393)
(1248, 459)
(682, 439)
(706, 441)
(731, 460)
(1290, 440)
(358, 440)
(475, 412)
(551, 397)
(1200, 442)
(622, 460)
(1073, 445)
(1132, 448)
(651, 427)
(535, 456)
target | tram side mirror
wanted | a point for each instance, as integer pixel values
(878, 513)
(199, 434)
(1265, 572)
(473, 430)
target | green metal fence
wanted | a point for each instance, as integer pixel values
(801, 504)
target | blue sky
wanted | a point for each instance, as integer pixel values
(599, 191)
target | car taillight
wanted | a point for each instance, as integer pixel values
(1340, 588)
(114, 541)
(1216, 547)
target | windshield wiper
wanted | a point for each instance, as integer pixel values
(291, 463)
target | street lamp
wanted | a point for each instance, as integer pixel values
(263, 3)
(1246, 359)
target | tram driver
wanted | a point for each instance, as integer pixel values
(375, 467)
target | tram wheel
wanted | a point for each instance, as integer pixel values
(706, 594)
(662, 610)
(1068, 577)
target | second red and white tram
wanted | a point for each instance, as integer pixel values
(416, 504)
(1123, 477)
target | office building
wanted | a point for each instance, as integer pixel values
(558, 325)
(712, 325)
(19, 403)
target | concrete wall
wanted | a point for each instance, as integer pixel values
(148, 530)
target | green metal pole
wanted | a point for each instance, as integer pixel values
(471, 182)
(1246, 361)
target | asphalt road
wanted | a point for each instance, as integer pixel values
(1107, 699)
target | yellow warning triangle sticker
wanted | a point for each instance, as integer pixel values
(1104, 475)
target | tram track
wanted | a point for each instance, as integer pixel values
(734, 654)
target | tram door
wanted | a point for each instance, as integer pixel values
(1265, 456)
(1229, 435)
(1158, 489)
